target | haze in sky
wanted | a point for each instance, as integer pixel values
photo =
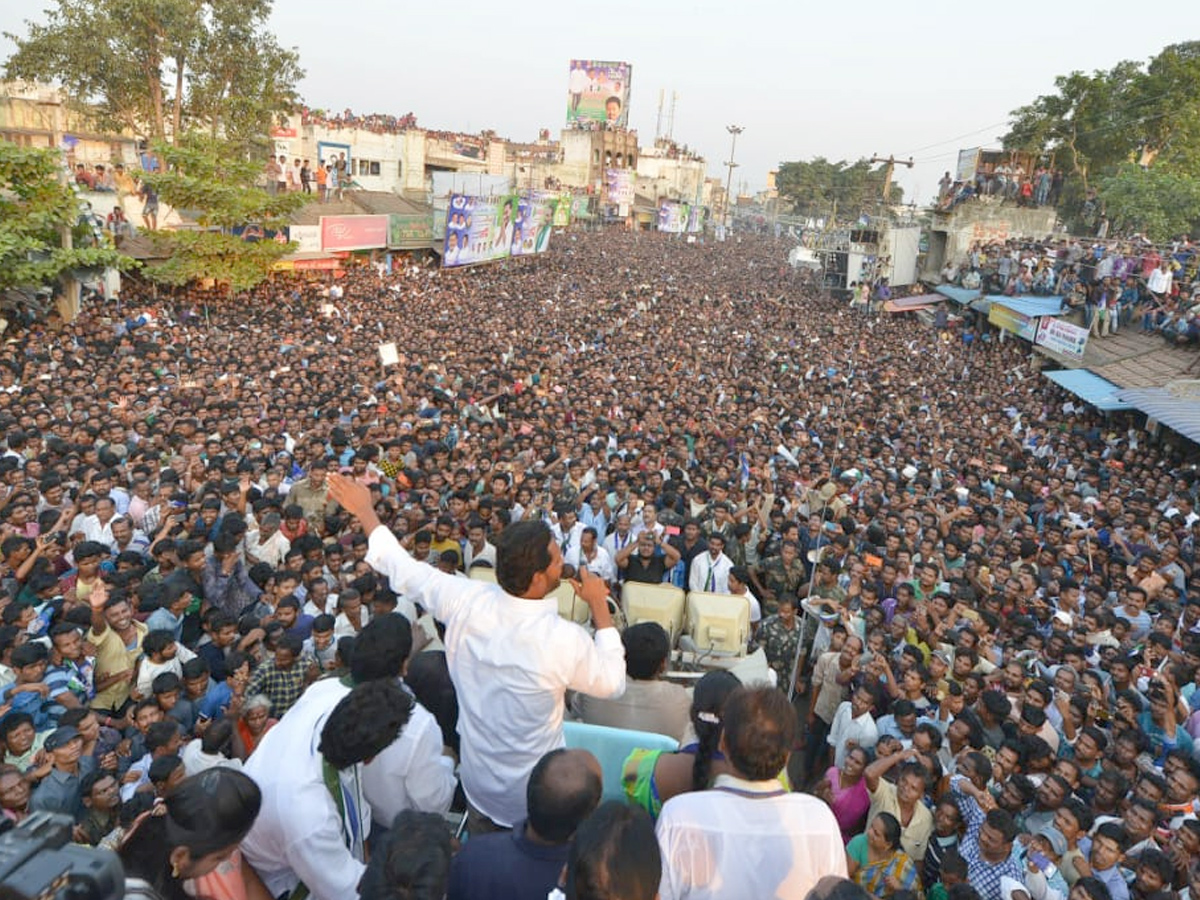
(837, 80)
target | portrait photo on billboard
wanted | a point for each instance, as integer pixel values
(598, 92)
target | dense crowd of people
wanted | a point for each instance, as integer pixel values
(1105, 285)
(240, 642)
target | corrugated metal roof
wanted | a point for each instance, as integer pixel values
(1089, 387)
(1029, 306)
(961, 296)
(1178, 410)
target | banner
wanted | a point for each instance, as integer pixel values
(619, 184)
(255, 233)
(672, 217)
(478, 229)
(598, 92)
(562, 211)
(307, 238)
(695, 219)
(1010, 320)
(353, 232)
(409, 232)
(533, 226)
(1061, 337)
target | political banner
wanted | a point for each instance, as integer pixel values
(695, 219)
(672, 217)
(562, 211)
(1010, 320)
(619, 184)
(598, 92)
(1061, 337)
(478, 229)
(531, 233)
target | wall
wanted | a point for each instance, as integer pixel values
(981, 221)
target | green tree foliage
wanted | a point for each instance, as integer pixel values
(814, 186)
(161, 68)
(216, 186)
(1095, 124)
(35, 205)
(1156, 202)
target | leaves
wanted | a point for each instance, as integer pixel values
(1156, 202)
(210, 180)
(161, 68)
(34, 205)
(814, 186)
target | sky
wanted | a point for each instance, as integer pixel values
(802, 80)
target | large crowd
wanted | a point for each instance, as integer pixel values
(241, 646)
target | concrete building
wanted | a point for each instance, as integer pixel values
(984, 220)
(36, 115)
(667, 171)
(587, 153)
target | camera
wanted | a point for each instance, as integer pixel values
(39, 862)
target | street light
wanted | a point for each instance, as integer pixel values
(733, 130)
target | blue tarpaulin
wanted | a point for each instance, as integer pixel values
(1029, 305)
(961, 296)
(1089, 387)
(1180, 413)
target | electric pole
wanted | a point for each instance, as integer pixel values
(734, 130)
(889, 170)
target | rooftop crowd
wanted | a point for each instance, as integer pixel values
(239, 644)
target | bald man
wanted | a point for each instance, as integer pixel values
(563, 790)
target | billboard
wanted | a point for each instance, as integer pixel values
(619, 184)
(562, 211)
(478, 229)
(672, 217)
(353, 232)
(1061, 337)
(1011, 320)
(531, 233)
(408, 232)
(598, 92)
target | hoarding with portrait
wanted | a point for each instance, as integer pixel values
(598, 92)
(478, 229)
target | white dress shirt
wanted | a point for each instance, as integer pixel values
(512, 661)
(710, 574)
(863, 731)
(271, 551)
(299, 836)
(568, 541)
(487, 554)
(746, 839)
(600, 564)
(615, 543)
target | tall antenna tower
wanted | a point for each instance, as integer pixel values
(659, 123)
(671, 118)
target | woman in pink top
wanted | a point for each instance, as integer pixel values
(846, 792)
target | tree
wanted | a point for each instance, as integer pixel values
(160, 68)
(35, 206)
(203, 175)
(1155, 201)
(814, 186)
(1096, 124)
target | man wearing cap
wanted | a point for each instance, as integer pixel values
(61, 790)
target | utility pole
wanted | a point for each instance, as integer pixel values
(890, 168)
(734, 130)
(68, 305)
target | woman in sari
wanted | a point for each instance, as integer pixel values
(875, 860)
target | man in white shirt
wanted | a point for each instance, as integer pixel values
(710, 571)
(749, 836)
(595, 558)
(853, 725)
(98, 527)
(648, 521)
(622, 537)
(314, 818)
(568, 533)
(510, 656)
(478, 549)
(267, 544)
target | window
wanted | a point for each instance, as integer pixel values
(400, 169)
(369, 167)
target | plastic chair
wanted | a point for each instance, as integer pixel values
(612, 746)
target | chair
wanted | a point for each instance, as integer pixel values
(570, 607)
(482, 573)
(612, 746)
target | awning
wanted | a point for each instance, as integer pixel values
(961, 296)
(1029, 306)
(906, 305)
(1178, 409)
(1088, 387)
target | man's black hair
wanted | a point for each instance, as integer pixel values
(560, 797)
(364, 722)
(381, 649)
(647, 646)
(522, 550)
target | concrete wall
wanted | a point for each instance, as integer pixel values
(981, 221)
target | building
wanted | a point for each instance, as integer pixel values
(37, 115)
(668, 171)
(586, 153)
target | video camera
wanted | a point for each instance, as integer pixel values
(39, 862)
